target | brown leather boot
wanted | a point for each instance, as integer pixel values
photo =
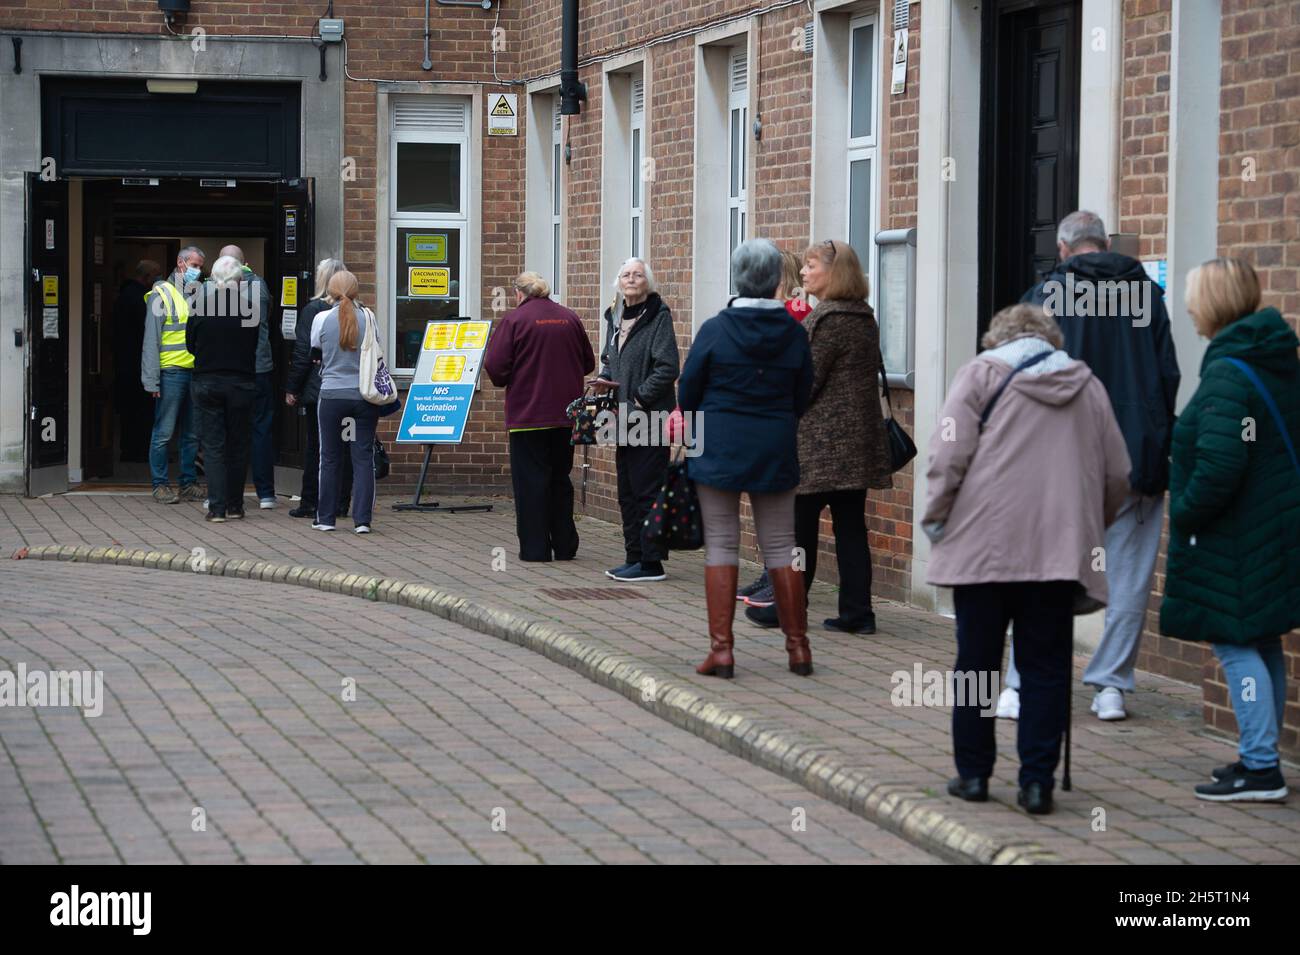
(792, 610)
(720, 593)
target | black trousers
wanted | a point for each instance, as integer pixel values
(641, 473)
(223, 407)
(310, 493)
(848, 519)
(347, 441)
(540, 462)
(1043, 613)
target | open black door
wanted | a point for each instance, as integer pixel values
(47, 336)
(291, 256)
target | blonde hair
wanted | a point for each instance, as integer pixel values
(532, 285)
(1219, 292)
(846, 282)
(343, 288)
(1022, 321)
(791, 265)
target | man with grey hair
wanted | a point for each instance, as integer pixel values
(166, 367)
(1130, 349)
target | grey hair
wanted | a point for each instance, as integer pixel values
(651, 285)
(1082, 228)
(189, 250)
(757, 268)
(325, 270)
(226, 269)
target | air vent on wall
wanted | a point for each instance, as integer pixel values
(440, 117)
(902, 11)
(808, 38)
(638, 96)
(739, 70)
(557, 114)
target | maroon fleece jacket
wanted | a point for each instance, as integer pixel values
(539, 352)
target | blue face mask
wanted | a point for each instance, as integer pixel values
(192, 274)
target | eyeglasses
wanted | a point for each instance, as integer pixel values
(830, 243)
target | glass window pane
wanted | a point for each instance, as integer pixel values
(636, 237)
(860, 211)
(555, 179)
(636, 169)
(428, 177)
(555, 258)
(863, 73)
(735, 153)
(435, 253)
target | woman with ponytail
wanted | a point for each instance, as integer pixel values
(346, 421)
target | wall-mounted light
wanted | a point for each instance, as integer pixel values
(172, 9)
(189, 87)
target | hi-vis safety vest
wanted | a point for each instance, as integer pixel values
(171, 348)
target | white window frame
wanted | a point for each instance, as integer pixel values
(737, 116)
(557, 202)
(461, 221)
(864, 147)
(637, 155)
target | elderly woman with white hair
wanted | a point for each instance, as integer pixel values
(640, 360)
(224, 346)
(750, 373)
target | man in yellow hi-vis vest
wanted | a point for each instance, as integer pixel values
(165, 370)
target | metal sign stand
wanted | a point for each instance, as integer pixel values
(415, 503)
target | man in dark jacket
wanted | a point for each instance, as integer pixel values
(224, 346)
(640, 356)
(1114, 320)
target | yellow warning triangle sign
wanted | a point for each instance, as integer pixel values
(502, 108)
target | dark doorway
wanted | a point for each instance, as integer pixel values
(1029, 155)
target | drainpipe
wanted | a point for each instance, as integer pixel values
(572, 92)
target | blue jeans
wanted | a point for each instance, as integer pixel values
(173, 411)
(1256, 677)
(263, 438)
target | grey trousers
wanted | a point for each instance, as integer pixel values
(1131, 546)
(773, 524)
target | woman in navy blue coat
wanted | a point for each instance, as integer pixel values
(745, 383)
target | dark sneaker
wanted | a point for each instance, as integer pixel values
(1036, 799)
(1232, 769)
(193, 492)
(1253, 785)
(214, 518)
(235, 514)
(303, 511)
(164, 494)
(762, 598)
(868, 624)
(763, 616)
(971, 790)
(641, 572)
(620, 569)
(758, 585)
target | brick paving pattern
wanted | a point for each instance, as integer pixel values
(238, 708)
(1141, 772)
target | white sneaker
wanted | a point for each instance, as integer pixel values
(363, 528)
(322, 527)
(266, 503)
(1108, 704)
(1009, 704)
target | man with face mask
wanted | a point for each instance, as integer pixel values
(165, 370)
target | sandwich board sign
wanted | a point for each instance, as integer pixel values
(437, 406)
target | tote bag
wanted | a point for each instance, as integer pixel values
(376, 383)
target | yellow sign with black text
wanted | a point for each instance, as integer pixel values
(431, 282)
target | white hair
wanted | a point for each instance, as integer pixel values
(226, 269)
(1082, 228)
(645, 267)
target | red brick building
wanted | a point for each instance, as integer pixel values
(705, 121)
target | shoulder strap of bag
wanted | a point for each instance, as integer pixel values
(884, 380)
(1272, 408)
(1027, 363)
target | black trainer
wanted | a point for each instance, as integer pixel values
(1232, 769)
(620, 569)
(763, 616)
(750, 590)
(303, 510)
(646, 571)
(1253, 785)
(866, 626)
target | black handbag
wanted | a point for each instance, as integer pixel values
(901, 446)
(585, 413)
(382, 464)
(674, 518)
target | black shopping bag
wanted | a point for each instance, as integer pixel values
(674, 518)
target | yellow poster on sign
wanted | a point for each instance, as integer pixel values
(50, 289)
(289, 292)
(426, 248)
(448, 368)
(424, 281)
(440, 336)
(472, 334)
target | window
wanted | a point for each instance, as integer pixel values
(557, 236)
(863, 168)
(428, 218)
(637, 151)
(737, 151)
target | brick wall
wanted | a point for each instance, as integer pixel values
(1144, 138)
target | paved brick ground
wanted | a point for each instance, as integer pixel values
(239, 710)
(1140, 772)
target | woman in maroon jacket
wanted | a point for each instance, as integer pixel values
(540, 353)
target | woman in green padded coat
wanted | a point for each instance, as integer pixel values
(1233, 569)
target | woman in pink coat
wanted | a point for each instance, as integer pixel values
(1027, 468)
